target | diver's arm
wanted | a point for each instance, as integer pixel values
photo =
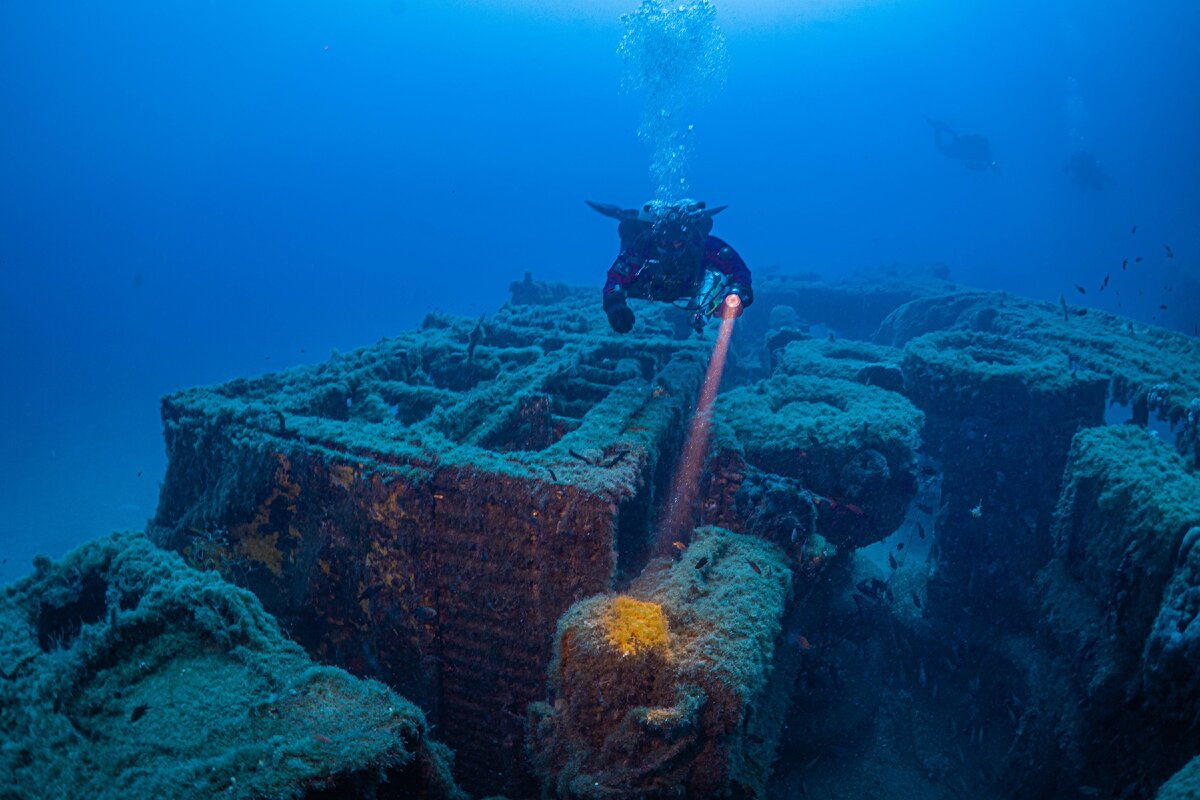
(723, 258)
(620, 276)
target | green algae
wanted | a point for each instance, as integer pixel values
(846, 359)
(995, 367)
(1171, 660)
(124, 673)
(853, 443)
(1127, 501)
(431, 398)
(1149, 369)
(1184, 784)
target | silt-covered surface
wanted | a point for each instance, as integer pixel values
(124, 673)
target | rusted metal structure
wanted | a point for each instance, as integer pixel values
(425, 509)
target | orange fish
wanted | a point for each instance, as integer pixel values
(853, 509)
(680, 546)
(754, 567)
(320, 738)
(803, 643)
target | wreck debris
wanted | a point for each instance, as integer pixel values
(417, 465)
(860, 442)
(666, 675)
(127, 673)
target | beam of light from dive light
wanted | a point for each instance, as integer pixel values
(679, 514)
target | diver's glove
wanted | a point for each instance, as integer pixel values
(744, 295)
(620, 315)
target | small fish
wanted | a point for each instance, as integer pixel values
(1062, 301)
(617, 459)
(553, 477)
(139, 473)
(892, 561)
(138, 712)
(916, 600)
(701, 562)
(920, 530)
(1124, 264)
(322, 738)
(1080, 289)
(1137, 260)
(680, 546)
(1170, 252)
(425, 613)
(928, 472)
(853, 509)
(582, 458)
(802, 642)
(754, 567)
(1164, 308)
(1104, 285)
(1133, 229)
(899, 545)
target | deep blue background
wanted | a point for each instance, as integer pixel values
(192, 191)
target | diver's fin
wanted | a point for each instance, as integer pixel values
(616, 212)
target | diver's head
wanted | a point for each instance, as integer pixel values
(677, 227)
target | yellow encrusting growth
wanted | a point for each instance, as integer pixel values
(264, 549)
(636, 626)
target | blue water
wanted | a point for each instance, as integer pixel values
(191, 192)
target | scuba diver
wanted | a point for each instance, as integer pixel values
(1085, 172)
(668, 255)
(970, 148)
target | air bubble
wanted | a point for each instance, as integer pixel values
(676, 55)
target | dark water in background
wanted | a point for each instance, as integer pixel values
(191, 192)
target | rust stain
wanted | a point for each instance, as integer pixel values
(343, 475)
(263, 548)
(255, 541)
